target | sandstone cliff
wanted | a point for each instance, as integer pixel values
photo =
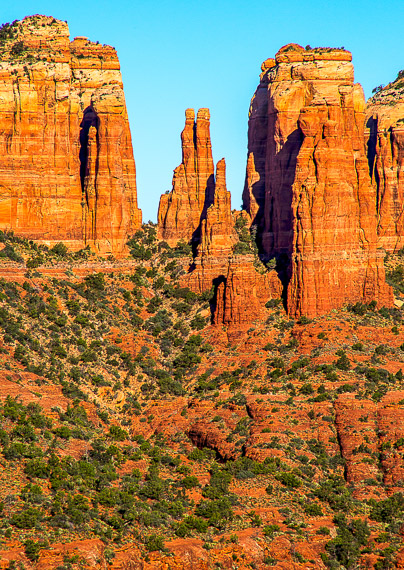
(385, 140)
(307, 187)
(67, 167)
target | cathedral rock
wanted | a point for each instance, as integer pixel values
(308, 189)
(67, 171)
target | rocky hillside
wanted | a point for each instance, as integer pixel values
(223, 389)
(136, 434)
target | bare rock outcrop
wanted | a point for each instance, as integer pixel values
(67, 171)
(242, 292)
(181, 211)
(367, 430)
(198, 211)
(384, 136)
(308, 188)
(218, 234)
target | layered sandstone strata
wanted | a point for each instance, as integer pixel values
(308, 188)
(242, 292)
(384, 135)
(182, 210)
(67, 171)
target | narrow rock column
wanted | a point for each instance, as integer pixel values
(218, 235)
(182, 210)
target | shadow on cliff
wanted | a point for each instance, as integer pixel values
(275, 229)
(372, 153)
(209, 198)
(214, 301)
(90, 119)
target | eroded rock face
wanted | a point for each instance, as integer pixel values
(67, 168)
(242, 292)
(218, 235)
(198, 210)
(366, 429)
(308, 188)
(181, 211)
(384, 134)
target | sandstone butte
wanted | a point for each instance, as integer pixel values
(385, 139)
(67, 171)
(308, 188)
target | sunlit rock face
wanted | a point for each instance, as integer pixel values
(182, 210)
(307, 188)
(67, 171)
(384, 136)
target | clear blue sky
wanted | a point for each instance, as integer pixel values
(178, 54)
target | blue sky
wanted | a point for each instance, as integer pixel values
(178, 54)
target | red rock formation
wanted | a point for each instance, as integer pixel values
(67, 167)
(356, 423)
(366, 429)
(218, 235)
(180, 211)
(242, 293)
(199, 209)
(385, 140)
(217, 238)
(318, 207)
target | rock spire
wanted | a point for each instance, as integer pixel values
(182, 210)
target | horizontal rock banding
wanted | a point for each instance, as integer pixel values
(307, 187)
(58, 180)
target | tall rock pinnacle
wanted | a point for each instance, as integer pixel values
(181, 211)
